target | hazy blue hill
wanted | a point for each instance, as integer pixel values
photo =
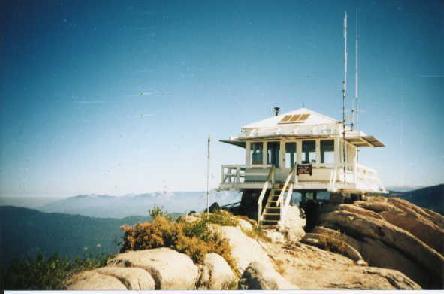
(26, 232)
(431, 197)
(106, 206)
(29, 202)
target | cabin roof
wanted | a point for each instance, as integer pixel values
(311, 118)
(301, 123)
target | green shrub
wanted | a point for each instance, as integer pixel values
(257, 233)
(195, 239)
(157, 211)
(41, 273)
(223, 218)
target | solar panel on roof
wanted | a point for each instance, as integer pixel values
(295, 118)
(286, 119)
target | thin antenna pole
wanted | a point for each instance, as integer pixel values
(208, 176)
(356, 108)
(344, 91)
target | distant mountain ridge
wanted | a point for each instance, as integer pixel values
(25, 232)
(431, 197)
(108, 206)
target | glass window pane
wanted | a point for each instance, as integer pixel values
(273, 153)
(290, 154)
(327, 151)
(308, 151)
(256, 153)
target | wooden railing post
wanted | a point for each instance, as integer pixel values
(222, 175)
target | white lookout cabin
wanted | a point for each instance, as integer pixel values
(299, 151)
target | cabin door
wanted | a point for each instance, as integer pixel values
(273, 149)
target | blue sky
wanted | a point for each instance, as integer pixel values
(119, 97)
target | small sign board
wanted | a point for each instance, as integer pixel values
(304, 169)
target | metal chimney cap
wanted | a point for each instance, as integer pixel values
(276, 110)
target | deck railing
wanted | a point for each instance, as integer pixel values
(235, 173)
(358, 176)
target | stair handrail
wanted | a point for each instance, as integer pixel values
(268, 181)
(287, 181)
(286, 203)
(281, 202)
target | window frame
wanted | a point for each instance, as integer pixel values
(306, 155)
(322, 151)
(260, 151)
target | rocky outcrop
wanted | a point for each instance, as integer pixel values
(244, 249)
(111, 278)
(332, 244)
(419, 222)
(293, 226)
(216, 274)
(390, 233)
(92, 280)
(132, 278)
(169, 269)
(258, 276)
(247, 252)
(245, 225)
(312, 268)
(374, 244)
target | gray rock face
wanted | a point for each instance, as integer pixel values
(334, 245)
(393, 233)
(244, 249)
(92, 280)
(248, 253)
(293, 225)
(169, 269)
(132, 278)
(244, 225)
(260, 277)
(216, 273)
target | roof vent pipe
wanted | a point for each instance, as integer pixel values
(276, 110)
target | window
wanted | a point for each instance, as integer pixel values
(308, 151)
(327, 151)
(273, 153)
(290, 155)
(256, 153)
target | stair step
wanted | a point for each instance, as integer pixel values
(268, 226)
(273, 221)
(272, 204)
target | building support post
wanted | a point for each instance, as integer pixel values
(248, 153)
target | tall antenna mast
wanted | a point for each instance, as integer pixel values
(344, 90)
(356, 110)
(208, 176)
